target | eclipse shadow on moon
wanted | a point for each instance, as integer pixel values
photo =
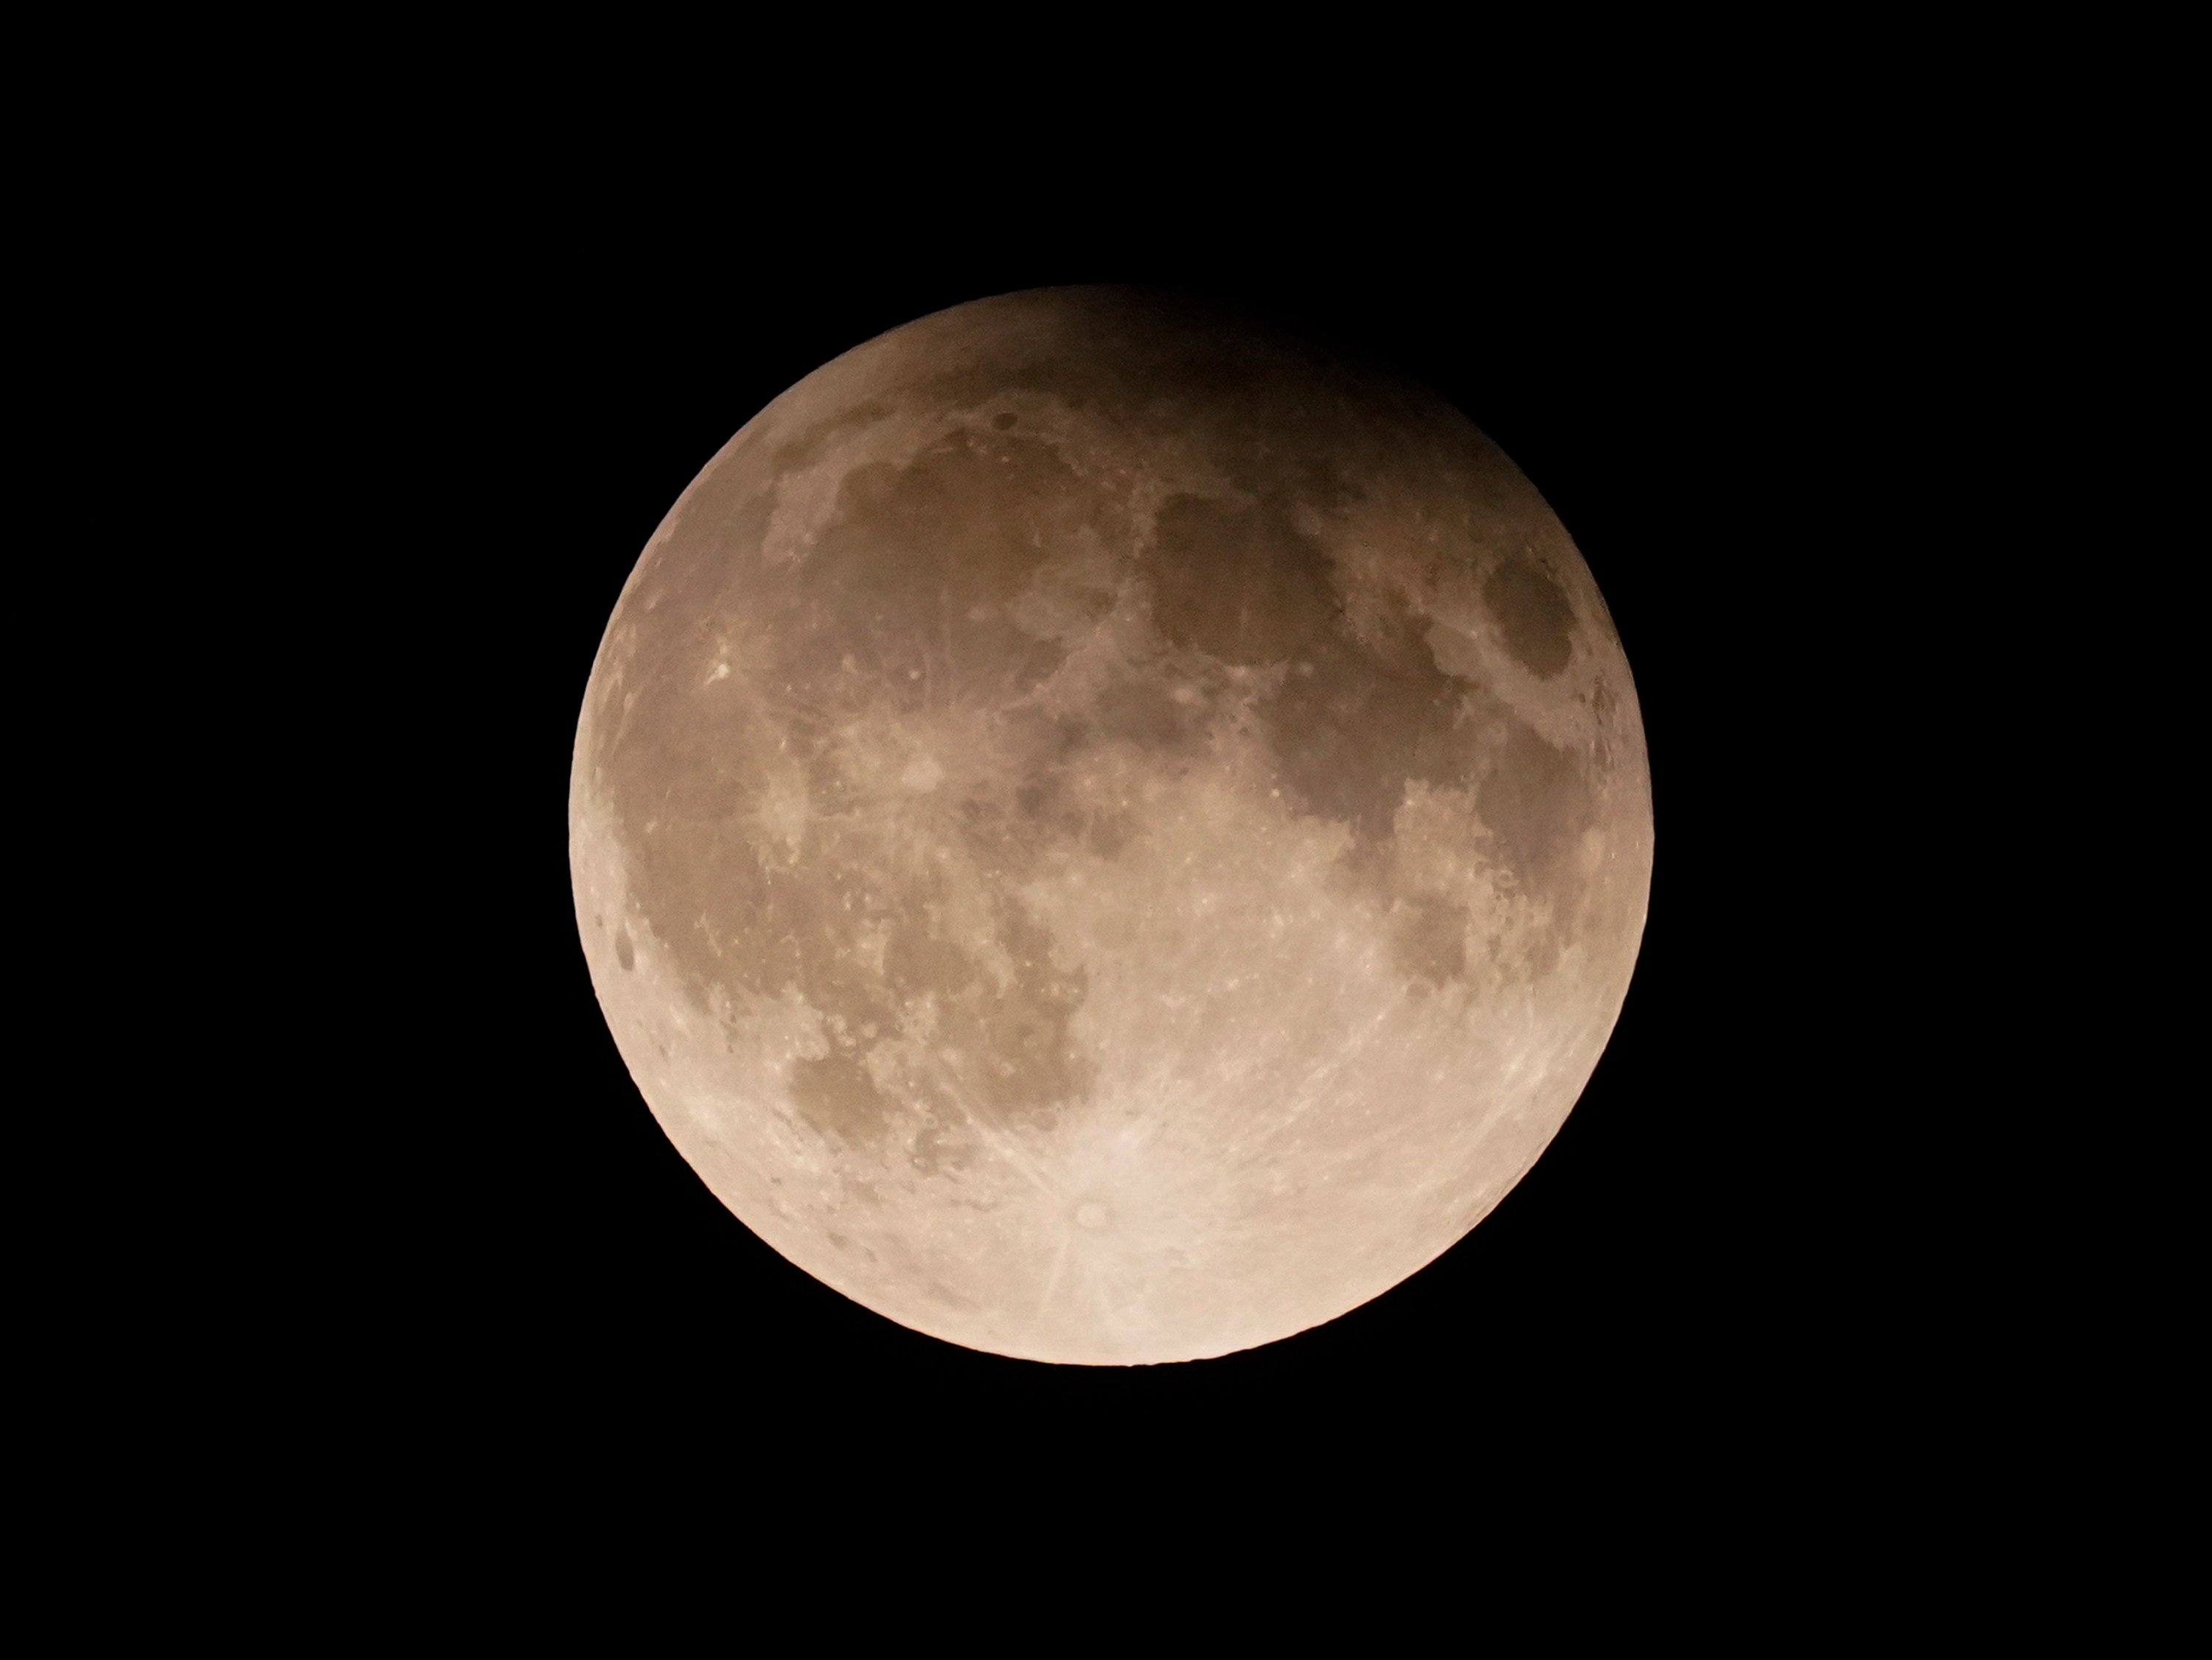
(1108, 833)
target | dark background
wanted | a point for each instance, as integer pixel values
(1671, 371)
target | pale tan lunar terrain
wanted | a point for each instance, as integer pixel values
(1107, 835)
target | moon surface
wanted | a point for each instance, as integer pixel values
(1107, 833)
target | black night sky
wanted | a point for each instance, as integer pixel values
(562, 1277)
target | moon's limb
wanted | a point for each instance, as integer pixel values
(1106, 835)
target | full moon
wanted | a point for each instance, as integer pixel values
(1107, 833)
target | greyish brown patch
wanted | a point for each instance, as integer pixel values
(1532, 612)
(1428, 940)
(1138, 710)
(1108, 833)
(840, 1099)
(1003, 1051)
(1370, 717)
(912, 577)
(818, 928)
(1236, 581)
(1536, 801)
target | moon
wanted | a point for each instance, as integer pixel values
(1107, 833)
